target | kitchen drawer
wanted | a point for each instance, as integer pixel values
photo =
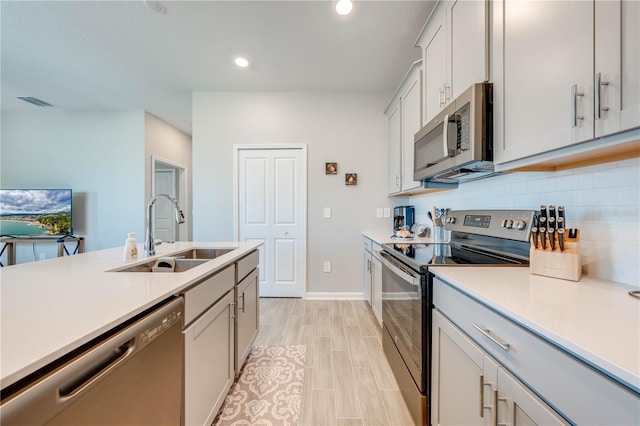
(203, 295)
(367, 243)
(567, 384)
(247, 264)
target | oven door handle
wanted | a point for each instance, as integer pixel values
(400, 270)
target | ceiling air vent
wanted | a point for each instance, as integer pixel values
(34, 101)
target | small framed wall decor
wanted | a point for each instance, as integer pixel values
(351, 179)
(331, 168)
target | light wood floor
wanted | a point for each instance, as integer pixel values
(347, 379)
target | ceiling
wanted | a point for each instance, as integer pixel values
(120, 55)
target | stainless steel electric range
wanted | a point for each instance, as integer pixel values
(478, 237)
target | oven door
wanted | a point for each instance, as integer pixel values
(404, 315)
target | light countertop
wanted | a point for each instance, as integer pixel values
(594, 319)
(382, 237)
(51, 307)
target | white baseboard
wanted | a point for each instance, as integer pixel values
(334, 296)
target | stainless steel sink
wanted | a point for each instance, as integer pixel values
(181, 265)
(202, 253)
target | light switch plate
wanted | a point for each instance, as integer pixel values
(327, 266)
(387, 212)
(379, 212)
(327, 212)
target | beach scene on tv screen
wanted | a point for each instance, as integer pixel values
(35, 212)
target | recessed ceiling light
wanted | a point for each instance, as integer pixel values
(343, 7)
(155, 5)
(241, 62)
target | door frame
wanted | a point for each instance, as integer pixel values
(181, 171)
(236, 195)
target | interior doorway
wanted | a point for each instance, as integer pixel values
(270, 185)
(168, 178)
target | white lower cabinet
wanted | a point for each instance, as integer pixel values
(247, 317)
(376, 283)
(209, 362)
(487, 368)
(372, 273)
(470, 388)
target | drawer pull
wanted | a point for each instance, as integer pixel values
(504, 346)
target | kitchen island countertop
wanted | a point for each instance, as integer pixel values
(48, 308)
(593, 319)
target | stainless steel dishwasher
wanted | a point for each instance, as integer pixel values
(133, 376)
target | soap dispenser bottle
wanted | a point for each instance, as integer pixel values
(130, 248)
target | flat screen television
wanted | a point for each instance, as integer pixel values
(35, 212)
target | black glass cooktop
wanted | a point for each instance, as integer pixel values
(421, 256)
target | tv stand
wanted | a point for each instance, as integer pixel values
(9, 245)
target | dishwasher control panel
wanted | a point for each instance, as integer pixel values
(151, 333)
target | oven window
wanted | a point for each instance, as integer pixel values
(402, 306)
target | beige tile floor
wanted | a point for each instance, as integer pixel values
(347, 379)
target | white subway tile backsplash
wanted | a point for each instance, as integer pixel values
(602, 200)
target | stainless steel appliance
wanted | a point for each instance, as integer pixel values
(457, 144)
(403, 217)
(131, 376)
(478, 237)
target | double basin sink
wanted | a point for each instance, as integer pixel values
(177, 262)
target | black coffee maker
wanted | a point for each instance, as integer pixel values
(403, 218)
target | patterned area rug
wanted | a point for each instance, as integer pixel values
(269, 389)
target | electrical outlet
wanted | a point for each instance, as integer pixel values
(379, 212)
(327, 212)
(41, 256)
(387, 212)
(327, 266)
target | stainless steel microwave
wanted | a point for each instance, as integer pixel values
(457, 144)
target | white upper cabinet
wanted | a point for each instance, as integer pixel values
(411, 124)
(455, 52)
(403, 122)
(617, 66)
(553, 87)
(394, 140)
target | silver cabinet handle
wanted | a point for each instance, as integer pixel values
(447, 97)
(441, 98)
(486, 332)
(598, 85)
(482, 386)
(574, 105)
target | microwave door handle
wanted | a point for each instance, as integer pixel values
(445, 136)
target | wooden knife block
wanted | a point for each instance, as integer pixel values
(566, 265)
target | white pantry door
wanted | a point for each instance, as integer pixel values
(272, 209)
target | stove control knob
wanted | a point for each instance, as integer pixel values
(452, 219)
(507, 223)
(521, 224)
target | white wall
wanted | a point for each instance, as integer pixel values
(603, 201)
(98, 155)
(167, 143)
(348, 128)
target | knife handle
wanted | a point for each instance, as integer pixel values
(560, 212)
(552, 238)
(561, 238)
(534, 237)
(543, 237)
(543, 212)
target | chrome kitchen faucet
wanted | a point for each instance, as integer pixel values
(149, 244)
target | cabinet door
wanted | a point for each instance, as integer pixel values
(518, 406)
(247, 317)
(617, 66)
(394, 139)
(209, 362)
(457, 377)
(434, 60)
(376, 287)
(366, 262)
(548, 80)
(411, 124)
(468, 37)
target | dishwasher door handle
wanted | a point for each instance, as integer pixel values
(101, 367)
(400, 270)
